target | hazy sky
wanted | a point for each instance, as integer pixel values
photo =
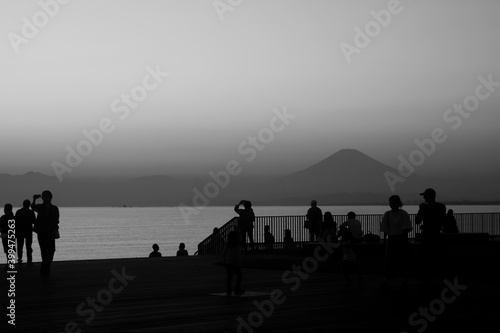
(227, 76)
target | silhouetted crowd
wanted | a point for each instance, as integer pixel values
(41, 218)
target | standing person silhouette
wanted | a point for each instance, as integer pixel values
(431, 215)
(396, 225)
(4, 230)
(349, 258)
(232, 260)
(25, 219)
(315, 217)
(329, 228)
(245, 223)
(47, 228)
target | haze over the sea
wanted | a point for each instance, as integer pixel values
(181, 88)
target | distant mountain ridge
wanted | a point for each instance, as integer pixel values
(345, 177)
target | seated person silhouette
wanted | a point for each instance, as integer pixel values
(288, 242)
(268, 239)
(155, 253)
(182, 250)
(355, 226)
(450, 223)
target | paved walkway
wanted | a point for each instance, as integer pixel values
(176, 295)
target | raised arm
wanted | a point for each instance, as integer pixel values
(33, 202)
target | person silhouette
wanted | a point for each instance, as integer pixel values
(245, 222)
(396, 225)
(431, 215)
(315, 217)
(4, 231)
(349, 259)
(182, 250)
(232, 260)
(155, 253)
(268, 239)
(450, 223)
(355, 226)
(329, 228)
(47, 228)
(288, 242)
(25, 219)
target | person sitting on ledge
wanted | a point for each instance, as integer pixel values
(155, 253)
(182, 250)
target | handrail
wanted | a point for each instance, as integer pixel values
(214, 244)
(466, 222)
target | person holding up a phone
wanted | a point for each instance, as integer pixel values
(47, 228)
(245, 223)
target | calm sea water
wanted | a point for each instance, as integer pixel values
(129, 232)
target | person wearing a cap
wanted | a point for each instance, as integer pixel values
(431, 215)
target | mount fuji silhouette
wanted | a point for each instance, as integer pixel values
(347, 171)
(345, 177)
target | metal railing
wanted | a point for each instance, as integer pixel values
(370, 223)
(214, 244)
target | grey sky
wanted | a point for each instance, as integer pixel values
(226, 77)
